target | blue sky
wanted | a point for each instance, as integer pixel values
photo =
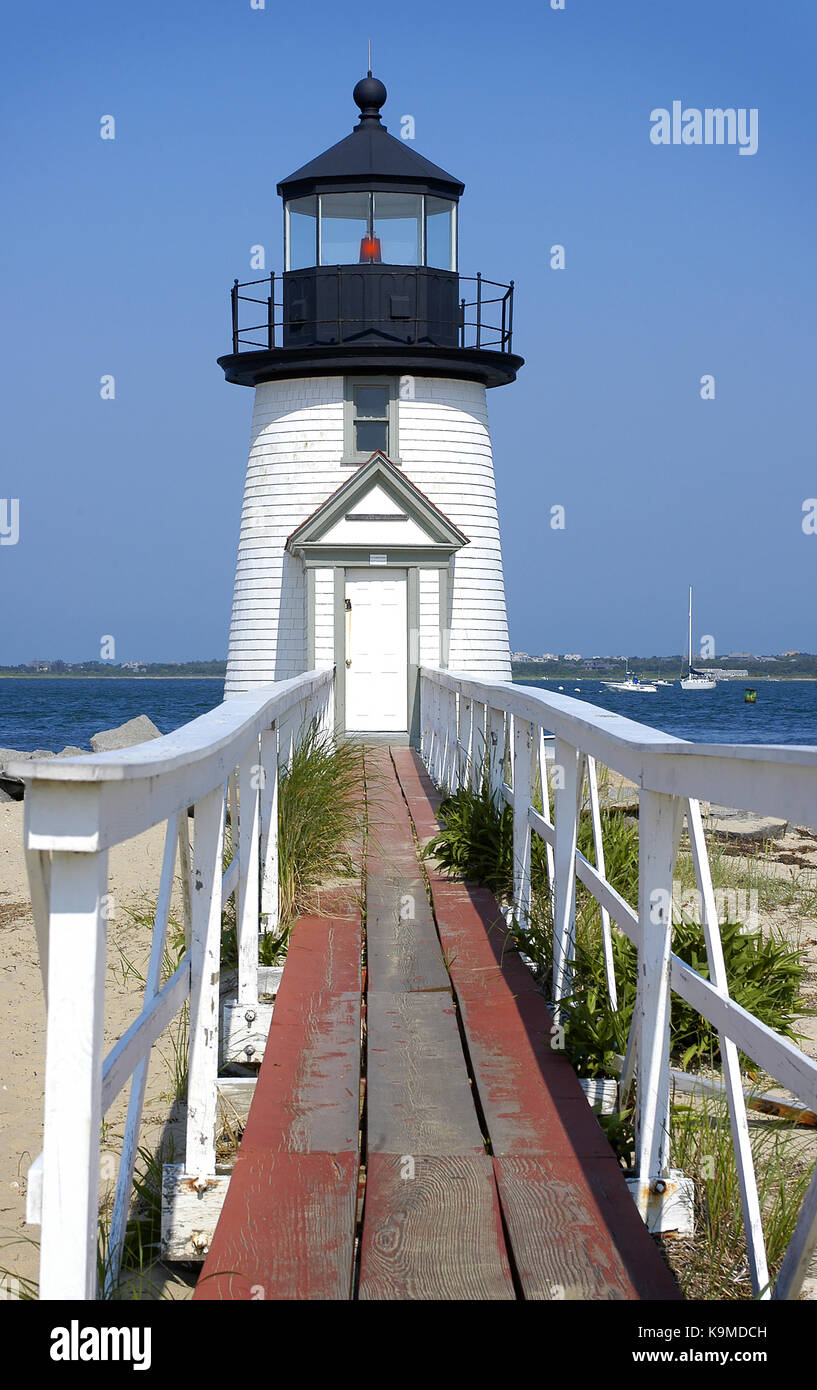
(117, 258)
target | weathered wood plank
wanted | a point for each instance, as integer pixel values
(530, 1094)
(290, 1232)
(307, 1095)
(573, 1238)
(475, 939)
(402, 946)
(419, 1095)
(308, 1100)
(287, 1227)
(432, 1230)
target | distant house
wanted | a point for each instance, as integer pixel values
(39, 665)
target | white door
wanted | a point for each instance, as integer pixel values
(376, 651)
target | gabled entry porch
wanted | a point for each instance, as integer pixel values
(378, 557)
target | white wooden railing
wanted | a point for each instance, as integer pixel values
(75, 810)
(469, 725)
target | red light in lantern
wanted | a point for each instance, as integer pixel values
(370, 250)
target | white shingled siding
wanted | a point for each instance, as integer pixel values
(294, 465)
(445, 449)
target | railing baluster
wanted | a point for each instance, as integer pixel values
(464, 739)
(250, 776)
(234, 313)
(477, 744)
(496, 755)
(659, 819)
(153, 983)
(545, 788)
(750, 1202)
(567, 790)
(598, 843)
(522, 762)
(205, 967)
(269, 829)
(185, 872)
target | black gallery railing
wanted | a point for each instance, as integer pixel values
(484, 322)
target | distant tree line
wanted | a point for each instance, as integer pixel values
(125, 671)
(796, 666)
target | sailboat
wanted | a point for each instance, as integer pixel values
(632, 683)
(695, 680)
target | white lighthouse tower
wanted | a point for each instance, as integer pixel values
(369, 531)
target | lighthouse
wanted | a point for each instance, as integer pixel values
(369, 531)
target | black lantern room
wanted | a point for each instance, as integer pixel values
(370, 271)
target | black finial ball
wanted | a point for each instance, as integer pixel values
(369, 95)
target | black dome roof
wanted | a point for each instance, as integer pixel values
(370, 158)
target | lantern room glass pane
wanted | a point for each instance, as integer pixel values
(344, 226)
(398, 224)
(302, 233)
(441, 249)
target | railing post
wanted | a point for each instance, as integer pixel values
(73, 1076)
(205, 966)
(269, 829)
(659, 820)
(271, 311)
(479, 308)
(462, 322)
(234, 307)
(522, 756)
(568, 768)
(250, 778)
(510, 318)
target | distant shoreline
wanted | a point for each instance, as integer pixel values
(750, 681)
(88, 676)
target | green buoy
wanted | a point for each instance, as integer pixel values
(750, 696)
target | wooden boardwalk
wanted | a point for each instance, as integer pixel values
(413, 1133)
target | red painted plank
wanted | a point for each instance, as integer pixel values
(432, 1230)
(290, 1230)
(288, 1221)
(571, 1238)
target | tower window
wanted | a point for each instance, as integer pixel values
(370, 418)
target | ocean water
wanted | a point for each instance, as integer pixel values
(40, 712)
(48, 713)
(785, 712)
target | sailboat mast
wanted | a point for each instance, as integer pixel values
(690, 629)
